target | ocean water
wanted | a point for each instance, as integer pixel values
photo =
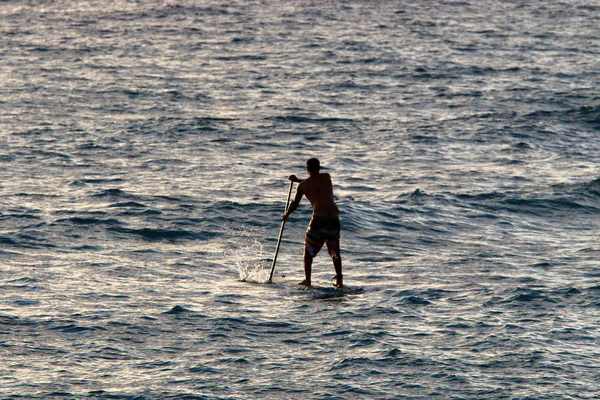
(145, 147)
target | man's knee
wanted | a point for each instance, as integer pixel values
(335, 254)
(310, 251)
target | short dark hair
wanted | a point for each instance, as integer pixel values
(313, 165)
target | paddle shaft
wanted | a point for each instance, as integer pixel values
(287, 204)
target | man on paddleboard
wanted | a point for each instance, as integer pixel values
(324, 225)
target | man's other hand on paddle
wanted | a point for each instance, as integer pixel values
(295, 179)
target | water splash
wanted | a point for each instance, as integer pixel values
(253, 272)
(251, 263)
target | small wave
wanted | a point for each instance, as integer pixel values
(524, 295)
(8, 241)
(26, 302)
(164, 365)
(588, 114)
(415, 300)
(127, 204)
(589, 190)
(416, 196)
(51, 154)
(26, 241)
(177, 310)
(112, 193)
(340, 332)
(72, 328)
(137, 211)
(493, 196)
(163, 234)
(543, 207)
(243, 57)
(565, 200)
(25, 279)
(531, 296)
(60, 394)
(296, 119)
(88, 221)
(203, 369)
(19, 216)
(81, 182)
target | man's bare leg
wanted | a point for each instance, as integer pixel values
(333, 248)
(308, 260)
(337, 264)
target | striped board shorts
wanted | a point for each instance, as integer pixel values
(322, 230)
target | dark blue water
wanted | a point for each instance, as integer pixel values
(145, 148)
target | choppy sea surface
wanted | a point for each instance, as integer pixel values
(145, 148)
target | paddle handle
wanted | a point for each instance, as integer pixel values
(287, 204)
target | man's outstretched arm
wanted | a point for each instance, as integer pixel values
(294, 204)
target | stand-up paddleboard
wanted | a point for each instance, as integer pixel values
(319, 290)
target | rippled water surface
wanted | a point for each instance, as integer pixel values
(145, 148)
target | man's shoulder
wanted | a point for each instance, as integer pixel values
(303, 184)
(315, 180)
(308, 182)
(325, 177)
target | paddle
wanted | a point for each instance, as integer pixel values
(287, 204)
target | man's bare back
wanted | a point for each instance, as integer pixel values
(319, 191)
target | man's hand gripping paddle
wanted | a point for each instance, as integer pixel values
(287, 204)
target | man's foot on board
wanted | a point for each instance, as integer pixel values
(338, 281)
(305, 283)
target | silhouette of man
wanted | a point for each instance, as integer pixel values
(324, 225)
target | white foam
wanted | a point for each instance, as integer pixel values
(251, 263)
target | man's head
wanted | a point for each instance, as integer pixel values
(313, 166)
